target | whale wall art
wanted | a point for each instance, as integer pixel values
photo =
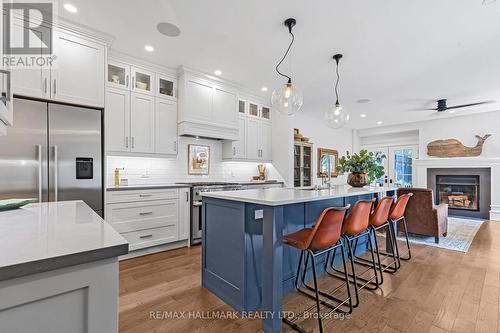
(454, 148)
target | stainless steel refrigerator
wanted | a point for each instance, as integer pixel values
(53, 153)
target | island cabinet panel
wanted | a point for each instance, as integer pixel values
(223, 259)
(233, 247)
(81, 298)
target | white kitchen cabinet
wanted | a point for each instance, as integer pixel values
(146, 123)
(265, 112)
(142, 123)
(118, 75)
(184, 213)
(142, 80)
(265, 141)
(166, 86)
(165, 126)
(258, 139)
(6, 94)
(31, 81)
(236, 149)
(252, 138)
(78, 72)
(149, 218)
(117, 119)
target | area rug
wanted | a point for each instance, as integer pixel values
(461, 233)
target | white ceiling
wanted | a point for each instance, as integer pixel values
(401, 55)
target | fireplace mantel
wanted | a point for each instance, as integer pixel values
(421, 165)
(457, 162)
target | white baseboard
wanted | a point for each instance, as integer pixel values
(494, 216)
(154, 249)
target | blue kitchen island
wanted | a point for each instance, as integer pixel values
(244, 261)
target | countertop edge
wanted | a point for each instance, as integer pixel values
(155, 187)
(50, 264)
(144, 187)
(217, 195)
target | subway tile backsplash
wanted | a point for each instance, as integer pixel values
(156, 170)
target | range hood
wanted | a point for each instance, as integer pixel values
(207, 131)
(208, 106)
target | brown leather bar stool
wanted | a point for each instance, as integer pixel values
(379, 219)
(397, 214)
(355, 227)
(324, 237)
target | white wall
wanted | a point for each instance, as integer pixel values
(155, 170)
(320, 135)
(463, 128)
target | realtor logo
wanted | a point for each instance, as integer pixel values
(27, 28)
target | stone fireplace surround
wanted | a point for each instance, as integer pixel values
(484, 188)
(493, 164)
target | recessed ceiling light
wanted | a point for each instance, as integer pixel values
(168, 29)
(149, 48)
(363, 100)
(264, 89)
(70, 8)
(380, 122)
(451, 111)
(218, 72)
(362, 115)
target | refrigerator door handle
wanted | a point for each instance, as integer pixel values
(56, 174)
(39, 147)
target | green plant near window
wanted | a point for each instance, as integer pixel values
(366, 163)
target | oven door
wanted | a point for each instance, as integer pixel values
(196, 222)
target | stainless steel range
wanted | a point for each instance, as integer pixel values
(196, 189)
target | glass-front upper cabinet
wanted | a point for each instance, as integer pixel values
(242, 107)
(253, 109)
(265, 112)
(118, 75)
(166, 86)
(142, 81)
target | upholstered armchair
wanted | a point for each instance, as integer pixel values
(422, 216)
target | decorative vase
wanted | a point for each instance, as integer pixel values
(358, 179)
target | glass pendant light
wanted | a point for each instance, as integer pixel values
(288, 98)
(336, 117)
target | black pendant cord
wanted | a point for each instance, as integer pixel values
(337, 85)
(337, 58)
(284, 57)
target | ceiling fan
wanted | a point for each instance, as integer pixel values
(442, 105)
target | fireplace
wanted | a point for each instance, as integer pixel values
(467, 191)
(459, 192)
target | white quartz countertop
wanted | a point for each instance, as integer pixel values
(286, 196)
(47, 236)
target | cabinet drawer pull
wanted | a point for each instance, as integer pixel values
(145, 195)
(145, 213)
(146, 236)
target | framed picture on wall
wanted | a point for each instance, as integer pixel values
(198, 160)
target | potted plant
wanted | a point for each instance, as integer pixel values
(363, 168)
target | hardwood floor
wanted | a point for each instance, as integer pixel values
(437, 291)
